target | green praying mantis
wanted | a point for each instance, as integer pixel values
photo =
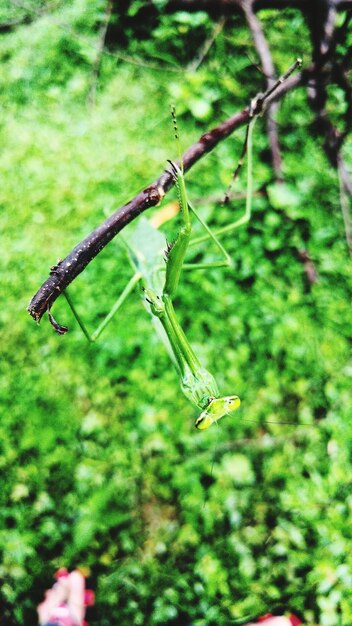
(197, 383)
(159, 271)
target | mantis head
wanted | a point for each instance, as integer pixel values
(217, 408)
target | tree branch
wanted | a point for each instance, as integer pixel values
(325, 39)
(99, 55)
(268, 68)
(345, 196)
(194, 65)
(62, 274)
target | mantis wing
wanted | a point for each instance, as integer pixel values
(146, 247)
(146, 250)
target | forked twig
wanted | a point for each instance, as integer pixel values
(257, 107)
(268, 68)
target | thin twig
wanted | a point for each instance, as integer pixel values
(99, 55)
(268, 68)
(257, 107)
(345, 196)
(309, 266)
(325, 39)
(198, 60)
(341, 78)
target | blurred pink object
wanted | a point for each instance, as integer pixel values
(61, 615)
(66, 601)
(276, 620)
(62, 572)
(89, 597)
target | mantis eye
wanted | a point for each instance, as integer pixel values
(234, 402)
(216, 409)
(203, 421)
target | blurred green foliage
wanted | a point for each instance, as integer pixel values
(100, 461)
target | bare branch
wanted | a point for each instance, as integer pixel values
(345, 199)
(268, 68)
(309, 267)
(100, 50)
(62, 274)
(325, 39)
(193, 66)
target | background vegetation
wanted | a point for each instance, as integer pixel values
(100, 462)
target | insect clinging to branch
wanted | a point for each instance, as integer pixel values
(159, 271)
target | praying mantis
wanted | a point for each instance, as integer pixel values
(197, 383)
(160, 281)
(160, 278)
